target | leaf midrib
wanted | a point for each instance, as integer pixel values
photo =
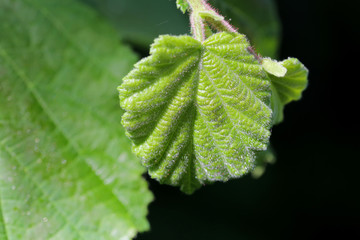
(60, 28)
(225, 104)
(228, 116)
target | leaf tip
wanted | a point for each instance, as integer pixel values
(273, 67)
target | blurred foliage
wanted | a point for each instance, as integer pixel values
(141, 21)
(257, 19)
(263, 158)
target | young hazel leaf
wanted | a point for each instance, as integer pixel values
(197, 112)
(287, 88)
(183, 5)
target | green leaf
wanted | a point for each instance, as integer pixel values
(66, 168)
(197, 112)
(183, 5)
(257, 19)
(287, 88)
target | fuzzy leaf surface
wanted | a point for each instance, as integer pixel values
(197, 112)
(66, 167)
(288, 88)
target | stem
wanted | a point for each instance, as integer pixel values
(196, 21)
(203, 16)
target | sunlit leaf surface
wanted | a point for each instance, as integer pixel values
(197, 112)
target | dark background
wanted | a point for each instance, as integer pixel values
(312, 191)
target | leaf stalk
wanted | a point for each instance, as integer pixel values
(203, 16)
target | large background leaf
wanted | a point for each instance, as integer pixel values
(66, 171)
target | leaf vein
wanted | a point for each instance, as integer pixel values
(225, 108)
(42, 191)
(239, 78)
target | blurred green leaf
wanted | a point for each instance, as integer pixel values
(262, 159)
(141, 21)
(257, 19)
(66, 169)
